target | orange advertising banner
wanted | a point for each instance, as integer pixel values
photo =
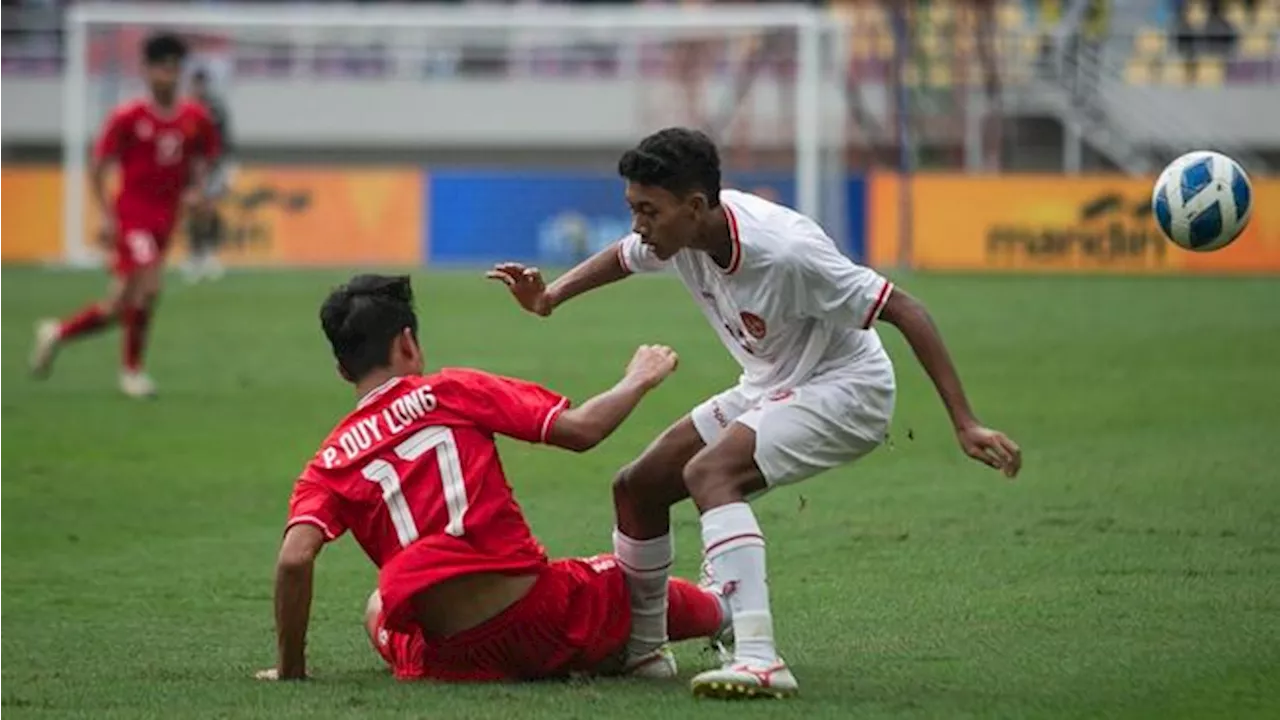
(295, 216)
(273, 216)
(1052, 223)
(31, 216)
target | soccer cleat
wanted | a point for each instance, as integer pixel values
(48, 337)
(136, 384)
(743, 682)
(659, 664)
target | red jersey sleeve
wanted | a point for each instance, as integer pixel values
(111, 140)
(314, 504)
(516, 408)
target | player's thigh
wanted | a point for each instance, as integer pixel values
(819, 426)
(726, 470)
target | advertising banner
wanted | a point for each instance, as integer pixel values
(560, 217)
(31, 217)
(1052, 223)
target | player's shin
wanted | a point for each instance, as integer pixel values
(734, 546)
(137, 321)
(647, 565)
(87, 321)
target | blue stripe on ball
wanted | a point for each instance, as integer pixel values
(1240, 192)
(1196, 178)
(1206, 227)
(1163, 215)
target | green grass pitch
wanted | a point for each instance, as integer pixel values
(1133, 571)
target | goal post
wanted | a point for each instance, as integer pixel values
(766, 81)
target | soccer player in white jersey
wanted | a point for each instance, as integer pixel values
(816, 391)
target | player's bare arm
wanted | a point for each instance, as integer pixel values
(980, 443)
(582, 428)
(295, 569)
(533, 294)
(99, 173)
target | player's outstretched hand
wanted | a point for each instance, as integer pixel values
(652, 364)
(991, 447)
(525, 284)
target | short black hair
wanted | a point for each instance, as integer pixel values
(163, 47)
(678, 160)
(362, 317)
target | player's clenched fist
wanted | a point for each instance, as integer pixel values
(526, 284)
(652, 364)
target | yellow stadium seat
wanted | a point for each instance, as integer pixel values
(930, 44)
(1210, 72)
(1197, 13)
(1173, 72)
(1267, 15)
(1010, 16)
(1138, 72)
(940, 75)
(1151, 43)
(1236, 14)
(1256, 44)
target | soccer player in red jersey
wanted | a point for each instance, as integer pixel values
(163, 145)
(465, 591)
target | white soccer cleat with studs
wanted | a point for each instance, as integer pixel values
(737, 681)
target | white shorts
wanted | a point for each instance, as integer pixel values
(826, 422)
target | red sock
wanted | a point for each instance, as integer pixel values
(88, 320)
(691, 611)
(136, 322)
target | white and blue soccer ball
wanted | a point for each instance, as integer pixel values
(1202, 201)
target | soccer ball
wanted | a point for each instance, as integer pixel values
(1202, 201)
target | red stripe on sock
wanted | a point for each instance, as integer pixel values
(743, 536)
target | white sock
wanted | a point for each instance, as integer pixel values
(647, 565)
(734, 546)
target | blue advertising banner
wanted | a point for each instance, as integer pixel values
(560, 217)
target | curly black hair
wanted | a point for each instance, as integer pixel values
(678, 160)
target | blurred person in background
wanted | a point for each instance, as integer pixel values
(163, 145)
(206, 230)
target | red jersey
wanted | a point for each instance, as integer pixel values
(416, 465)
(155, 148)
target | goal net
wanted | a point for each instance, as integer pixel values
(514, 86)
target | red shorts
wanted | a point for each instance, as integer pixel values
(140, 243)
(575, 618)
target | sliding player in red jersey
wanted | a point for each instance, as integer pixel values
(163, 145)
(465, 591)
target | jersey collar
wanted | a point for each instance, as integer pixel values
(377, 392)
(735, 255)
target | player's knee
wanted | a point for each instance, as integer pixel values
(701, 474)
(622, 485)
(712, 481)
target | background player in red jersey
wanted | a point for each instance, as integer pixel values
(465, 590)
(163, 146)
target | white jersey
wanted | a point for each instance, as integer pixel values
(790, 306)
